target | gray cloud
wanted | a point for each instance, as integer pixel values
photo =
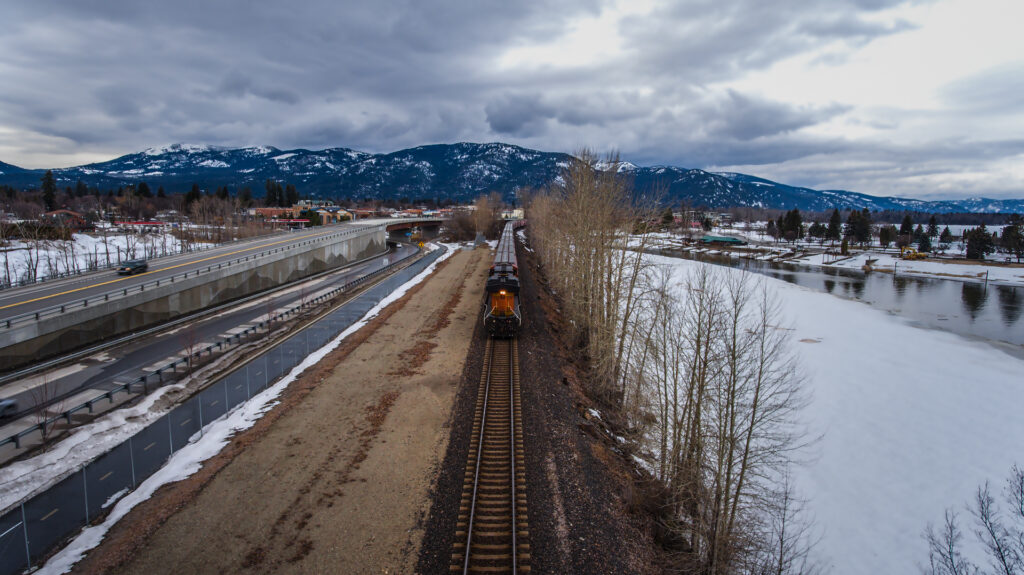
(747, 118)
(106, 77)
(522, 115)
(998, 90)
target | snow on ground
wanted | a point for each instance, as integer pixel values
(521, 234)
(26, 477)
(950, 269)
(889, 262)
(85, 251)
(913, 421)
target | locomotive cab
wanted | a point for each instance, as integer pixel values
(503, 316)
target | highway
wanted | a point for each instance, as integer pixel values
(89, 377)
(32, 298)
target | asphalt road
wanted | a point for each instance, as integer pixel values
(36, 297)
(113, 367)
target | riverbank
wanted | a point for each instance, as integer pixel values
(876, 259)
(911, 421)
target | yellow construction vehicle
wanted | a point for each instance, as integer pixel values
(909, 253)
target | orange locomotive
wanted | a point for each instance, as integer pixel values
(502, 314)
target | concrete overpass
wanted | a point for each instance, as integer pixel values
(47, 320)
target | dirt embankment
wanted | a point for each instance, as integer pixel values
(336, 478)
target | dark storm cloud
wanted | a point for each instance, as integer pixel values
(747, 118)
(521, 115)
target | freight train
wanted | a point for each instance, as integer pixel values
(502, 314)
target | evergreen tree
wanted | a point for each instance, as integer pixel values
(792, 225)
(272, 198)
(858, 226)
(816, 230)
(925, 244)
(160, 193)
(979, 243)
(222, 193)
(245, 196)
(313, 216)
(666, 218)
(933, 227)
(49, 191)
(771, 229)
(81, 190)
(851, 223)
(143, 190)
(946, 237)
(291, 196)
(863, 233)
(907, 227)
(835, 226)
(918, 233)
(193, 195)
(1013, 237)
(887, 235)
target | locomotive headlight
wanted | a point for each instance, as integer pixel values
(501, 292)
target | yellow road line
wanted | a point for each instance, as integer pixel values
(159, 270)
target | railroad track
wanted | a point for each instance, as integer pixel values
(492, 523)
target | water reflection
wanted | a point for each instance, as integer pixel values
(1010, 303)
(932, 302)
(899, 283)
(858, 287)
(973, 297)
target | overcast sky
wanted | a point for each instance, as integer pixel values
(922, 98)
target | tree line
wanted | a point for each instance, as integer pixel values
(860, 228)
(693, 366)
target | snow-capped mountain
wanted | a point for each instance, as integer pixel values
(455, 171)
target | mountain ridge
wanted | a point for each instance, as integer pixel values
(459, 171)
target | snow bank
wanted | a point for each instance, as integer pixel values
(913, 421)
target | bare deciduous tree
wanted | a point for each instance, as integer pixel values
(1000, 535)
(702, 369)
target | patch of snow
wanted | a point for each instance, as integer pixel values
(213, 164)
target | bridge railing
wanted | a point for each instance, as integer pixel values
(25, 318)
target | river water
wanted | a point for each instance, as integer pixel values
(970, 309)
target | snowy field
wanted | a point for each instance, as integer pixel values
(22, 260)
(912, 421)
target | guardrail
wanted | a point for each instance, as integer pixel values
(95, 268)
(29, 317)
(188, 360)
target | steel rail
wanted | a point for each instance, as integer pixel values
(479, 457)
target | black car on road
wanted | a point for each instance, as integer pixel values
(8, 407)
(132, 267)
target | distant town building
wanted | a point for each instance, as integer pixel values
(66, 219)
